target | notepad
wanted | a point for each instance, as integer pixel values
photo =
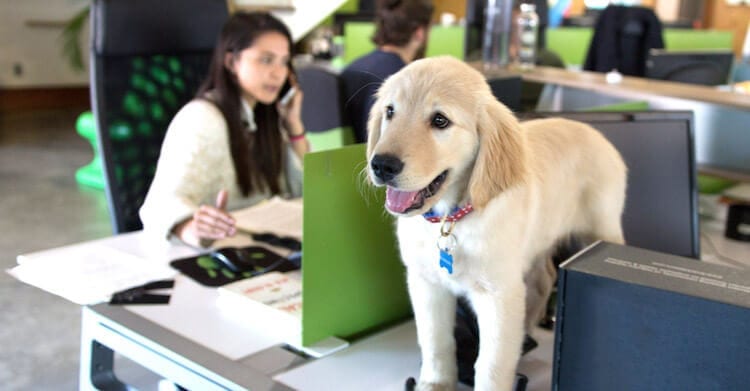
(274, 298)
(280, 216)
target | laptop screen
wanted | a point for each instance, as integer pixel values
(661, 208)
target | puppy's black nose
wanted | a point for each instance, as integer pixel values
(386, 167)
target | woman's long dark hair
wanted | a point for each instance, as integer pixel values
(257, 156)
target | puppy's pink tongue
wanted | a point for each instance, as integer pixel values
(398, 201)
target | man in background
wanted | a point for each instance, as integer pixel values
(401, 33)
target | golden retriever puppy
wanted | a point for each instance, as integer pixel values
(482, 200)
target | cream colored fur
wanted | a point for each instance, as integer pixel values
(531, 184)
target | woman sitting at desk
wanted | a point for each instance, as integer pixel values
(236, 143)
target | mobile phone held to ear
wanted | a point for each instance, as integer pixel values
(289, 88)
(288, 96)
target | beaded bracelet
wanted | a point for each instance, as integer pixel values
(297, 137)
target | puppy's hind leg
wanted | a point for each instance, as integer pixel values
(606, 201)
(607, 226)
(435, 315)
(540, 280)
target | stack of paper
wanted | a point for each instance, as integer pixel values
(87, 273)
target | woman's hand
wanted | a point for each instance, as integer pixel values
(291, 113)
(291, 121)
(208, 223)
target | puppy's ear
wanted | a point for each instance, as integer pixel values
(500, 161)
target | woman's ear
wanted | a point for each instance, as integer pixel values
(500, 162)
(229, 61)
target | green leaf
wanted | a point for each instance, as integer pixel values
(71, 36)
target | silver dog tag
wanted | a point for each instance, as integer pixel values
(446, 243)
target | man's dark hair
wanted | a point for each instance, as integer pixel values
(396, 20)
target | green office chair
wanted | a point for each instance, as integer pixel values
(147, 60)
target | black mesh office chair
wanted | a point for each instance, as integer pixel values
(147, 60)
(323, 111)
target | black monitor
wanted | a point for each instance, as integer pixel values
(705, 67)
(661, 208)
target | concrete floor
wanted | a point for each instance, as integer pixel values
(42, 206)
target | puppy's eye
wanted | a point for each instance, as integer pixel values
(440, 121)
(389, 112)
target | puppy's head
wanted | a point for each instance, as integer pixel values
(437, 135)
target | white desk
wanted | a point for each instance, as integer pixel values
(191, 342)
(721, 138)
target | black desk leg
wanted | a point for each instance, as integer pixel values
(102, 369)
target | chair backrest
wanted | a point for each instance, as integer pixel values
(148, 58)
(321, 108)
(323, 112)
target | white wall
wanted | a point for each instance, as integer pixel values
(36, 50)
(307, 14)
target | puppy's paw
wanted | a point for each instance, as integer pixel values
(423, 386)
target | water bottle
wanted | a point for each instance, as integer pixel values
(497, 29)
(527, 26)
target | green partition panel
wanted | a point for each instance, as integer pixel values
(446, 40)
(622, 106)
(572, 43)
(349, 7)
(330, 139)
(352, 278)
(443, 40)
(685, 39)
(357, 40)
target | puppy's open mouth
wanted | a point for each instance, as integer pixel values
(399, 201)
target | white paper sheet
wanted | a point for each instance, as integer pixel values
(87, 273)
(90, 272)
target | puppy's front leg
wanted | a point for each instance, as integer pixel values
(435, 315)
(500, 316)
